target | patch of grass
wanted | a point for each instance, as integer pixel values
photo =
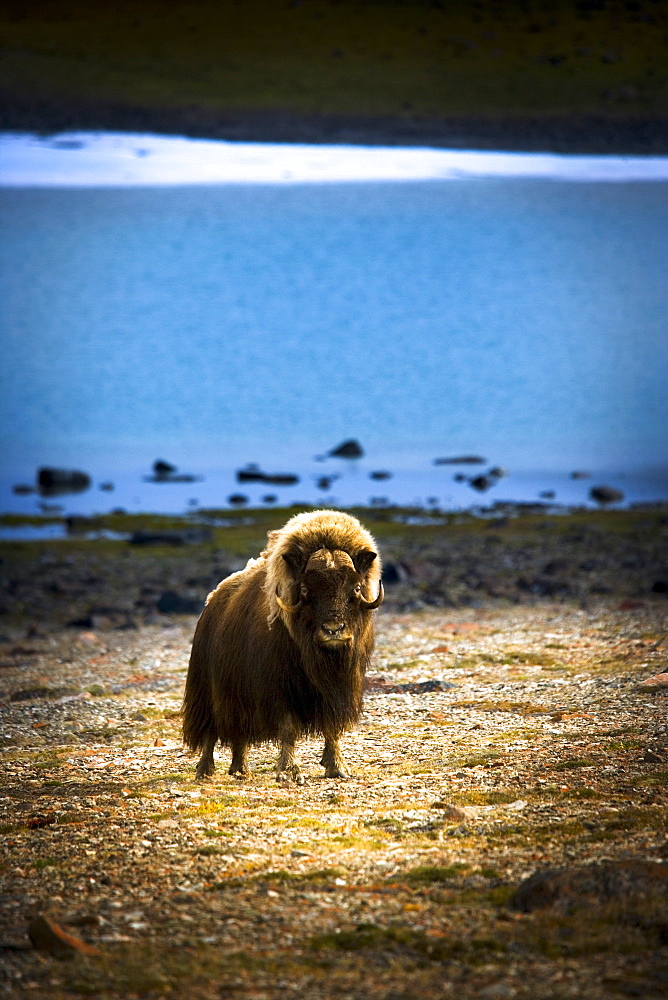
(392, 824)
(660, 779)
(480, 759)
(211, 807)
(635, 818)
(207, 850)
(399, 938)
(429, 874)
(482, 797)
(573, 762)
(627, 928)
(45, 863)
(517, 707)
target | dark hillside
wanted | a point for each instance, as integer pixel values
(587, 75)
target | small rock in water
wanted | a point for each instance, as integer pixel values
(237, 499)
(53, 482)
(461, 460)
(380, 474)
(580, 475)
(481, 483)
(162, 468)
(605, 495)
(348, 449)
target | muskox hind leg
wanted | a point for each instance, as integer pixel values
(239, 766)
(287, 769)
(206, 766)
(332, 760)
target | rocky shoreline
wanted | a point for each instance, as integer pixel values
(556, 133)
(124, 571)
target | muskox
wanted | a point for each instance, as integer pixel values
(282, 646)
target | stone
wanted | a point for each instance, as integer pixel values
(162, 468)
(657, 681)
(172, 603)
(566, 889)
(396, 572)
(47, 935)
(604, 495)
(481, 483)
(54, 482)
(348, 449)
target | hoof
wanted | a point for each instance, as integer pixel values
(334, 772)
(204, 771)
(285, 777)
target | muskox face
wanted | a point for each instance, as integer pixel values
(332, 602)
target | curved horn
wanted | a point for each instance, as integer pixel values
(370, 605)
(290, 609)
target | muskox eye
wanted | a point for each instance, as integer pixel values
(358, 589)
(304, 592)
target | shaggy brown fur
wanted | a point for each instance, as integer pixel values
(281, 648)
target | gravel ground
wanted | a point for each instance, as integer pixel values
(496, 741)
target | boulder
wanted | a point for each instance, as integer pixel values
(568, 889)
(47, 935)
(325, 482)
(481, 483)
(253, 474)
(395, 572)
(604, 495)
(162, 468)
(172, 603)
(53, 482)
(348, 449)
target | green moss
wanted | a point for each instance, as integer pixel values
(398, 938)
(574, 762)
(479, 759)
(428, 874)
(481, 797)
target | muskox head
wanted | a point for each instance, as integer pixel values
(330, 597)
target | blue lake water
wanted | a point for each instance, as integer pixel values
(522, 320)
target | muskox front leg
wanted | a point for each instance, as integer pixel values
(332, 760)
(206, 766)
(287, 769)
(239, 766)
